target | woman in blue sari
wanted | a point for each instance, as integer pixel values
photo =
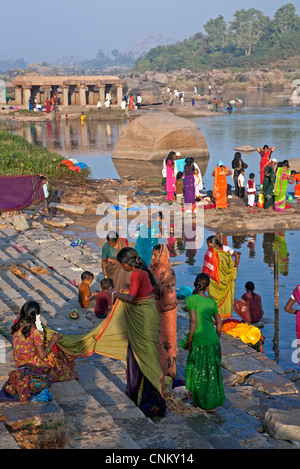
(148, 237)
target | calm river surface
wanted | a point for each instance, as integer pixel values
(262, 119)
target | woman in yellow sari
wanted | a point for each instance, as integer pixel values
(222, 272)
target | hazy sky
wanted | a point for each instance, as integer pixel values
(37, 30)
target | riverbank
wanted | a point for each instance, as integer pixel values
(237, 218)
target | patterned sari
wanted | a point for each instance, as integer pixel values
(280, 189)
(166, 304)
(222, 272)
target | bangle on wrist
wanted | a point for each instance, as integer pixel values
(189, 339)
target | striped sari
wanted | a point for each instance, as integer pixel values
(222, 272)
(129, 333)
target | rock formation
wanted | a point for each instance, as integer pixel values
(146, 142)
(152, 136)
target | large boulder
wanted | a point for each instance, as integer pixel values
(150, 92)
(152, 136)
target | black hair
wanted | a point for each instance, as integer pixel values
(112, 236)
(179, 175)
(156, 215)
(131, 257)
(27, 316)
(170, 156)
(86, 275)
(250, 286)
(251, 175)
(265, 146)
(214, 239)
(106, 283)
(237, 154)
(201, 283)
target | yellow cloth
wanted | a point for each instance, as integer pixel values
(247, 333)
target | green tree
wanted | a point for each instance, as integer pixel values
(247, 28)
(216, 33)
(285, 18)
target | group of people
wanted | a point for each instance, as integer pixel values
(139, 305)
(183, 178)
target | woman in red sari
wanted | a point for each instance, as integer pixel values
(265, 153)
(166, 305)
(220, 184)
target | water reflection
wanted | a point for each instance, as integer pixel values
(149, 168)
(64, 136)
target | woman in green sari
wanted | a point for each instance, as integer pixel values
(222, 272)
(269, 184)
(110, 266)
(283, 176)
(130, 333)
(203, 366)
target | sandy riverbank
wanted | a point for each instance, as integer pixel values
(237, 218)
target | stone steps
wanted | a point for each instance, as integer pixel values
(95, 411)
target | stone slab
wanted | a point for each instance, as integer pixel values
(271, 383)
(243, 365)
(20, 414)
(283, 425)
(7, 441)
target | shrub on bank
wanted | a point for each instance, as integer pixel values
(19, 157)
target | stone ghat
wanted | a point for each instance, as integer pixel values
(262, 399)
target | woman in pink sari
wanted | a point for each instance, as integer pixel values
(170, 181)
(295, 298)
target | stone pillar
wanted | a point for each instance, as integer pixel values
(91, 94)
(119, 94)
(73, 94)
(47, 92)
(65, 95)
(26, 95)
(82, 95)
(18, 95)
(102, 94)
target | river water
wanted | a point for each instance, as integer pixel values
(263, 118)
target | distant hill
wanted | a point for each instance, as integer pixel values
(149, 42)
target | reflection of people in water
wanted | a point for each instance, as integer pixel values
(283, 256)
(268, 240)
(251, 245)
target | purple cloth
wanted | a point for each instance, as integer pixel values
(18, 192)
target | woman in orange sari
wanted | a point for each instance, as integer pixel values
(166, 305)
(220, 184)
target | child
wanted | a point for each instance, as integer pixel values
(104, 299)
(84, 293)
(203, 365)
(43, 205)
(179, 187)
(249, 308)
(241, 184)
(251, 190)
